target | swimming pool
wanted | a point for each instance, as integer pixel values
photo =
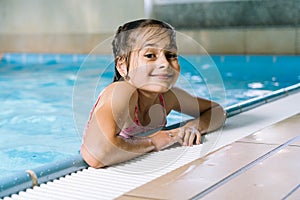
(37, 97)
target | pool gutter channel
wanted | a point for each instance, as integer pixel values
(33, 177)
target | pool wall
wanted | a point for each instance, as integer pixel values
(188, 14)
(267, 40)
(236, 26)
(221, 27)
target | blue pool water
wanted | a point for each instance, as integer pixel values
(41, 95)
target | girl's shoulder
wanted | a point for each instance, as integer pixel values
(118, 93)
(119, 89)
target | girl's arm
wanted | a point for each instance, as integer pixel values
(208, 115)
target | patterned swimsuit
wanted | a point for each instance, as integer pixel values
(136, 127)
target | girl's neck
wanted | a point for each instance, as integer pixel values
(146, 99)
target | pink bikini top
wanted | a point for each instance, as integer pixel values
(136, 127)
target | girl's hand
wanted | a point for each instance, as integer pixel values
(164, 139)
(189, 135)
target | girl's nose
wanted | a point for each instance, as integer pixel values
(163, 61)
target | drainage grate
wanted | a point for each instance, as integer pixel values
(109, 183)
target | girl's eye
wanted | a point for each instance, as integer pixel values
(150, 55)
(171, 56)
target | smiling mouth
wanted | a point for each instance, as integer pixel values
(162, 76)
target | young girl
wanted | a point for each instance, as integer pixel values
(140, 98)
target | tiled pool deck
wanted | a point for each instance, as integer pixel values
(264, 165)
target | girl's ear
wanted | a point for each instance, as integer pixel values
(122, 66)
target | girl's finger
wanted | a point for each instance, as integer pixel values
(198, 139)
(192, 138)
(194, 134)
(187, 134)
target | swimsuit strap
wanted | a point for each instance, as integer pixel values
(162, 102)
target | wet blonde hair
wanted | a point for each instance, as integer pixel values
(127, 35)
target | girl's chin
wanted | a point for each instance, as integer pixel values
(156, 88)
(153, 86)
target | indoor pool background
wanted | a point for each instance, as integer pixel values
(36, 118)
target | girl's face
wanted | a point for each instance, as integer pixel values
(154, 65)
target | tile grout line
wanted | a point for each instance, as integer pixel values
(245, 168)
(291, 192)
(250, 142)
